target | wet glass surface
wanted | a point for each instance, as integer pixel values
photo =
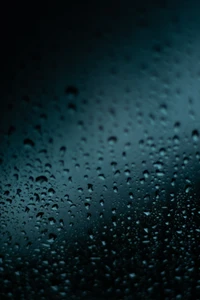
(99, 151)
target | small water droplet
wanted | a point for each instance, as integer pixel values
(62, 151)
(112, 140)
(90, 188)
(102, 202)
(28, 144)
(54, 207)
(51, 192)
(195, 135)
(187, 188)
(177, 127)
(147, 213)
(52, 221)
(52, 238)
(163, 109)
(101, 176)
(146, 174)
(162, 152)
(41, 179)
(132, 275)
(71, 92)
(115, 189)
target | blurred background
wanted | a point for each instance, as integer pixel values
(99, 150)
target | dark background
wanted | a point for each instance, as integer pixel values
(99, 150)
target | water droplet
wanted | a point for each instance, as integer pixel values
(101, 176)
(52, 221)
(132, 275)
(131, 195)
(162, 152)
(115, 189)
(146, 174)
(62, 151)
(52, 238)
(39, 215)
(158, 165)
(187, 188)
(90, 188)
(147, 213)
(102, 202)
(61, 222)
(195, 135)
(112, 140)
(41, 179)
(87, 205)
(54, 207)
(72, 107)
(176, 140)
(163, 109)
(127, 172)
(29, 144)
(71, 92)
(51, 192)
(177, 127)
(160, 173)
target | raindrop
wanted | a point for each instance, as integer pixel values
(162, 152)
(39, 215)
(41, 179)
(71, 92)
(29, 144)
(52, 238)
(127, 172)
(160, 173)
(158, 165)
(62, 151)
(112, 140)
(131, 195)
(163, 109)
(147, 213)
(132, 275)
(87, 205)
(89, 216)
(115, 189)
(54, 207)
(187, 188)
(90, 187)
(177, 127)
(51, 192)
(101, 176)
(52, 221)
(146, 174)
(61, 222)
(72, 107)
(195, 135)
(102, 202)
